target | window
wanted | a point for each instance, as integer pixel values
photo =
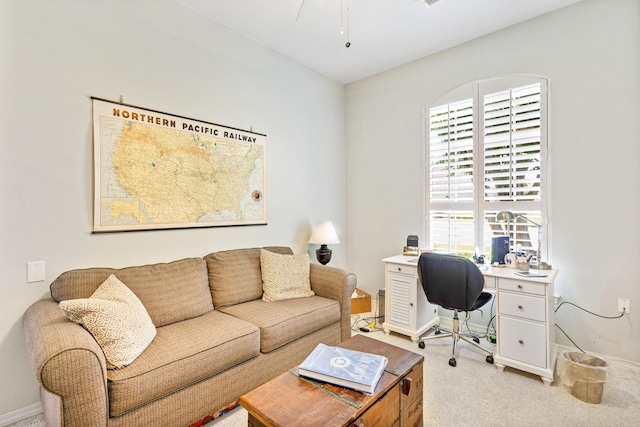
(486, 151)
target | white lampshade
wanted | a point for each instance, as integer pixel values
(324, 234)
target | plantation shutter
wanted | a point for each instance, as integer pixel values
(485, 153)
(451, 176)
(451, 152)
(512, 145)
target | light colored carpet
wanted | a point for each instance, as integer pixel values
(475, 393)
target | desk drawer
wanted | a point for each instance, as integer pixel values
(523, 306)
(401, 268)
(522, 341)
(522, 286)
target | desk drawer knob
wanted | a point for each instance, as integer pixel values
(520, 307)
(521, 342)
(519, 286)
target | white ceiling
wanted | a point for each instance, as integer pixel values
(383, 33)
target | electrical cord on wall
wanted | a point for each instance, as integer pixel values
(469, 333)
(490, 325)
(632, 367)
(590, 312)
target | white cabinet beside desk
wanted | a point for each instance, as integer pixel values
(524, 321)
(407, 310)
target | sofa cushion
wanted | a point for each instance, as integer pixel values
(235, 277)
(117, 320)
(284, 276)
(170, 292)
(182, 354)
(282, 322)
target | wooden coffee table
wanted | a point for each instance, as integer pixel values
(289, 400)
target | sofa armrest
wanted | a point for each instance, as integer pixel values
(67, 362)
(336, 284)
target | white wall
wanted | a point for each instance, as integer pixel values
(159, 55)
(591, 53)
(56, 55)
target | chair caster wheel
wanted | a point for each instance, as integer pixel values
(421, 344)
(490, 359)
(476, 340)
(452, 362)
(437, 332)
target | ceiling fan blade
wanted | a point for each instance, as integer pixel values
(300, 10)
(309, 10)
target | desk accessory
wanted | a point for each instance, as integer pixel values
(508, 215)
(499, 248)
(412, 247)
(530, 274)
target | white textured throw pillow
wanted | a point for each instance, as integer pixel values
(117, 320)
(284, 276)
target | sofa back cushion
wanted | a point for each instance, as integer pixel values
(170, 292)
(284, 276)
(235, 276)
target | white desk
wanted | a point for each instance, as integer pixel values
(524, 313)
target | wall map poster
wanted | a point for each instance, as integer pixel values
(156, 171)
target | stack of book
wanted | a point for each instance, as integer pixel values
(347, 368)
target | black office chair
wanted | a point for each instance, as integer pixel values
(454, 283)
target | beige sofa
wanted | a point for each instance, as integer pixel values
(216, 340)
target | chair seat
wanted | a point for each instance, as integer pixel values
(484, 298)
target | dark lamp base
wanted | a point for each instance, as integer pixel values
(323, 254)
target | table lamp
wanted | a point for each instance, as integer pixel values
(324, 234)
(508, 215)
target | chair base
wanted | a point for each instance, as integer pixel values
(455, 334)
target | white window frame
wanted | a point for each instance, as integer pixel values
(481, 239)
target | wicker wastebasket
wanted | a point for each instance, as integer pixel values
(584, 374)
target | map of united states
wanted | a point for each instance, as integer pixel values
(162, 176)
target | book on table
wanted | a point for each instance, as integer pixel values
(347, 368)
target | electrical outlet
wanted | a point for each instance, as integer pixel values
(556, 300)
(624, 305)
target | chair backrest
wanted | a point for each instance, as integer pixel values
(450, 281)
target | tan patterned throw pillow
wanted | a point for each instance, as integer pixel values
(117, 320)
(284, 276)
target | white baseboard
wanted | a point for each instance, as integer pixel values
(20, 414)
